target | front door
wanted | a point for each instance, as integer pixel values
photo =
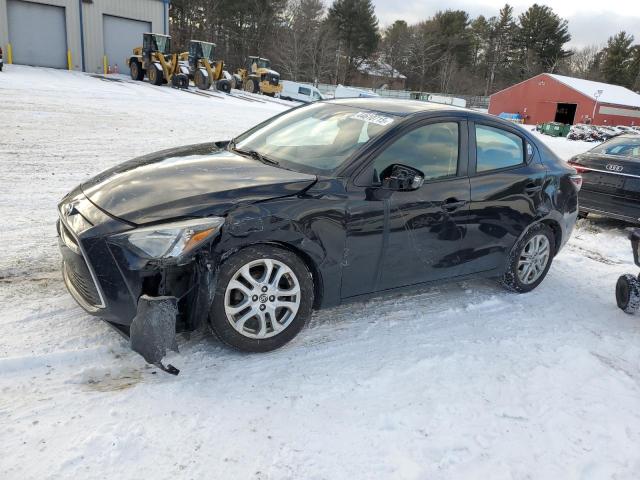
(396, 239)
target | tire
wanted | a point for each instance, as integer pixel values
(232, 304)
(202, 80)
(180, 80)
(628, 294)
(518, 277)
(223, 85)
(136, 71)
(251, 85)
(156, 76)
(237, 81)
(270, 94)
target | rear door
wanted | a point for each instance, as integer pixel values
(507, 192)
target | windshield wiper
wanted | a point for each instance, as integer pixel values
(255, 154)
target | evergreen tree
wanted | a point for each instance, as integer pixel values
(617, 60)
(541, 38)
(501, 49)
(356, 28)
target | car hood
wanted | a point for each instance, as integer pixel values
(191, 181)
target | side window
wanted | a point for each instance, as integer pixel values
(497, 148)
(432, 149)
(304, 91)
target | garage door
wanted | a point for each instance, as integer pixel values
(121, 36)
(38, 34)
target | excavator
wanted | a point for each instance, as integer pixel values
(257, 76)
(155, 60)
(203, 68)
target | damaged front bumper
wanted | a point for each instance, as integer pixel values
(149, 303)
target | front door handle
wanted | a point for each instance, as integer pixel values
(452, 204)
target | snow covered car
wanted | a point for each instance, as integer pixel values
(323, 204)
(611, 178)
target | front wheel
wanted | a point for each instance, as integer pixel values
(263, 298)
(628, 294)
(530, 260)
(202, 80)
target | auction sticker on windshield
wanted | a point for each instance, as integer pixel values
(374, 118)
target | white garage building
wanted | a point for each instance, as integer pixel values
(78, 34)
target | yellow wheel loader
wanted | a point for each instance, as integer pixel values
(258, 77)
(155, 60)
(204, 69)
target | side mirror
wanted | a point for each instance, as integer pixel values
(401, 178)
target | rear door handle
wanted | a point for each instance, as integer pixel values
(532, 189)
(451, 204)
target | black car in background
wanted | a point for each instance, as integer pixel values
(323, 204)
(611, 178)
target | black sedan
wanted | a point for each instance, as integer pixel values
(323, 204)
(611, 179)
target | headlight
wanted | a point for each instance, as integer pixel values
(171, 240)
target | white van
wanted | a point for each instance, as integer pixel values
(300, 92)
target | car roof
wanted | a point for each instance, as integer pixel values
(412, 108)
(395, 106)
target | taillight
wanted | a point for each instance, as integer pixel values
(577, 181)
(578, 168)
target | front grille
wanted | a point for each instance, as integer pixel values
(78, 276)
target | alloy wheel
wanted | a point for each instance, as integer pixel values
(534, 258)
(262, 298)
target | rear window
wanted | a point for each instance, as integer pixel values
(497, 149)
(620, 147)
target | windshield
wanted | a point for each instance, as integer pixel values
(263, 63)
(317, 138)
(207, 51)
(620, 146)
(163, 44)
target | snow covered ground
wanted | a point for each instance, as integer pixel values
(460, 381)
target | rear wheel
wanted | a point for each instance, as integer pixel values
(530, 260)
(136, 71)
(628, 293)
(202, 80)
(155, 76)
(263, 298)
(251, 85)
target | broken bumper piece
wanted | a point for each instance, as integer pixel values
(153, 330)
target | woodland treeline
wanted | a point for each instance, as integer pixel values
(450, 52)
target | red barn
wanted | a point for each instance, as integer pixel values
(549, 97)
